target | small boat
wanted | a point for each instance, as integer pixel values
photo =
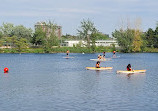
(115, 57)
(131, 72)
(106, 59)
(68, 57)
(101, 68)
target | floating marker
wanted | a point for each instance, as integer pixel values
(6, 70)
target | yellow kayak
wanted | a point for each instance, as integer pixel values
(101, 68)
(134, 71)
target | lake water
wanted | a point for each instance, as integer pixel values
(48, 82)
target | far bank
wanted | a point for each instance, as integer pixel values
(71, 49)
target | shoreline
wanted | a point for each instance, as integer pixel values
(74, 50)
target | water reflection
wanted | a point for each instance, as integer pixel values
(6, 74)
(129, 75)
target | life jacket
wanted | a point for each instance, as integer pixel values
(128, 69)
(97, 66)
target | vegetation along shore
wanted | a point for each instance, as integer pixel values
(47, 38)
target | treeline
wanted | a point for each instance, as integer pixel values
(22, 39)
(134, 40)
(17, 37)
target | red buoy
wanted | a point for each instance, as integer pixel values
(6, 70)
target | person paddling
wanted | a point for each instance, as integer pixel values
(99, 57)
(129, 67)
(103, 54)
(97, 64)
(114, 53)
(67, 52)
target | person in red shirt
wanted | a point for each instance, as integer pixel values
(129, 67)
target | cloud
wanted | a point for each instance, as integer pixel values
(102, 12)
(49, 12)
(67, 10)
(71, 10)
(28, 14)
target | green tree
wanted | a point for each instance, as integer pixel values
(49, 42)
(85, 31)
(1, 42)
(21, 44)
(7, 41)
(13, 40)
(79, 44)
(100, 36)
(150, 37)
(93, 39)
(51, 38)
(7, 29)
(1, 34)
(47, 37)
(38, 37)
(144, 42)
(124, 38)
(22, 32)
(69, 37)
(156, 38)
(137, 41)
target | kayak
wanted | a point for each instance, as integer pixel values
(101, 68)
(116, 57)
(68, 57)
(98, 59)
(101, 59)
(134, 71)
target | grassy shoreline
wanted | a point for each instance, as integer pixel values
(58, 50)
(72, 50)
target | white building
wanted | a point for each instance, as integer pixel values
(106, 43)
(71, 43)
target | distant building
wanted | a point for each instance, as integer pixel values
(106, 42)
(71, 43)
(44, 26)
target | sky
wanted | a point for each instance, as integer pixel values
(107, 15)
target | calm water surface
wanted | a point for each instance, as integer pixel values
(48, 82)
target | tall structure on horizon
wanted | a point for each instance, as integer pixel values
(44, 26)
